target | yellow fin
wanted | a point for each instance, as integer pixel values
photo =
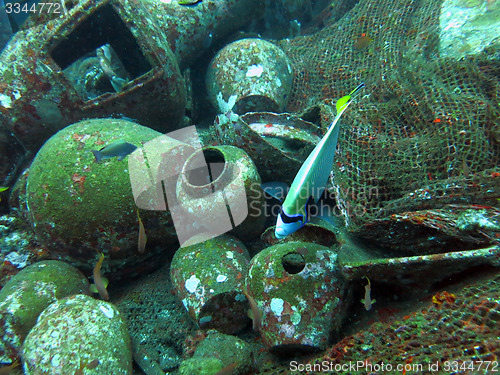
(105, 282)
(345, 100)
(93, 288)
(342, 102)
(2, 189)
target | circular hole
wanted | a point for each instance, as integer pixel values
(293, 263)
(215, 161)
(255, 103)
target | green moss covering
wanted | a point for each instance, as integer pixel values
(228, 349)
(70, 196)
(200, 366)
(28, 293)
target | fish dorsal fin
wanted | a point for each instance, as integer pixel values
(277, 190)
(344, 101)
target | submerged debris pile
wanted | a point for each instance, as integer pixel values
(447, 331)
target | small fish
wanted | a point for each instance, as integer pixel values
(362, 42)
(188, 2)
(256, 314)
(93, 364)
(2, 189)
(7, 369)
(106, 59)
(143, 238)
(207, 41)
(368, 301)
(100, 283)
(85, 364)
(118, 148)
(310, 181)
(227, 370)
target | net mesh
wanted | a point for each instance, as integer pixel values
(425, 133)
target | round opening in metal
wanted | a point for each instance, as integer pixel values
(293, 263)
(199, 174)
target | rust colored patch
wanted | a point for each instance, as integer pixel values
(77, 137)
(439, 298)
(79, 181)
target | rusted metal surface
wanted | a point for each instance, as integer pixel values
(208, 278)
(277, 143)
(255, 72)
(107, 58)
(301, 294)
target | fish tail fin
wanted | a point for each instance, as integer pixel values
(97, 155)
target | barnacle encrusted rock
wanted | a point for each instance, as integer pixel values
(78, 332)
(227, 348)
(27, 294)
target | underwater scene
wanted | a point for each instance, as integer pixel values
(237, 187)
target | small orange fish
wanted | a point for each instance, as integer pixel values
(256, 313)
(100, 283)
(93, 364)
(85, 364)
(362, 42)
(143, 238)
(227, 370)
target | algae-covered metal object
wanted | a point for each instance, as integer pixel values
(219, 188)
(300, 291)
(277, 143)
(54, 75)
(108, 57)
(208, 278)
(427, 246)
(256, 71)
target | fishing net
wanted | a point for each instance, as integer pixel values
(425, 134)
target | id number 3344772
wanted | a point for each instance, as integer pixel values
(37, 7)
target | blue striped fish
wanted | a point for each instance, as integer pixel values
(310, 182)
